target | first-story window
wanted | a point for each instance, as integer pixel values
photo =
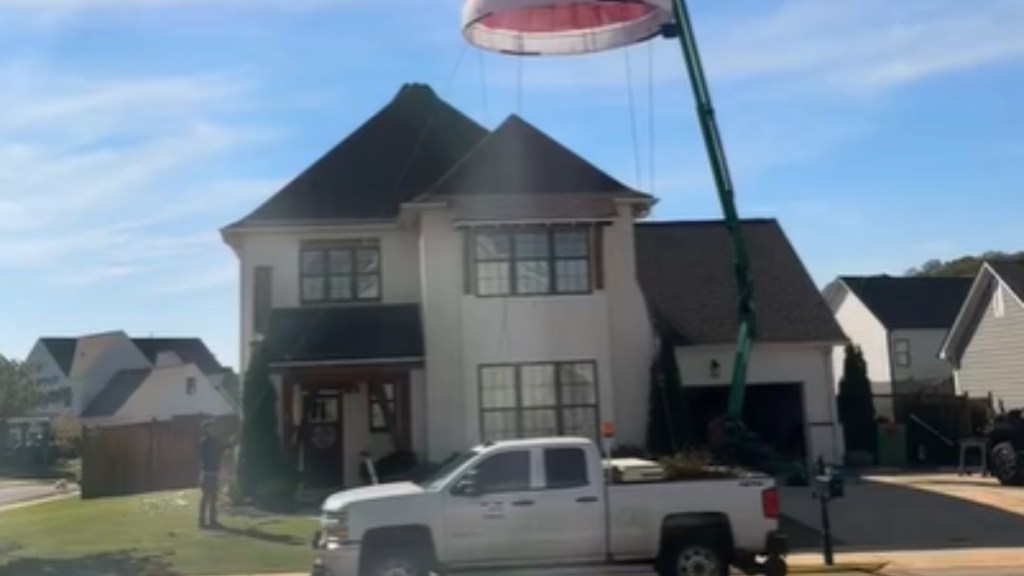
(539, 399)
(382, 402)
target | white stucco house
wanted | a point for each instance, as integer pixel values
(986, 343)
(492, 284)
(899, 323)
(98, 377)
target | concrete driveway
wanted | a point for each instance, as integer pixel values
(913, 512)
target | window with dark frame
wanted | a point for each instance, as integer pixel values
(902, 348)
(538, 399)
(190, 385)
(384, 390)
(532, 261)
(340, 272)
(504, 472)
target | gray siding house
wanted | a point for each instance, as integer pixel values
(986, 343)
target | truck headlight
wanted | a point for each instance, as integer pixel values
(335, 526)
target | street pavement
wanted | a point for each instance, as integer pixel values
(15, 492)
(956, 572)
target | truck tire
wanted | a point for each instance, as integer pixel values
(398, 562)
(1006, 464)
(694, 558)
(775, 566)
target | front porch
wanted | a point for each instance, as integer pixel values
(330, 415)
(349, 379)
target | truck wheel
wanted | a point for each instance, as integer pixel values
(1006, 465)
(695, 559)
(775, 566)
(396, 563)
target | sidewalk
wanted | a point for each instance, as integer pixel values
(968, 558)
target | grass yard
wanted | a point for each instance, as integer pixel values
(148, 535)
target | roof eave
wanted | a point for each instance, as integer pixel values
(950, 349)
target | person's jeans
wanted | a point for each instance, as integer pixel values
(209, 486)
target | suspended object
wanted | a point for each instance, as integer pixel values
(553, 27)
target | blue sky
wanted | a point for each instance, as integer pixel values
(880, 133)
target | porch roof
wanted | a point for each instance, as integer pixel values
(358, 334)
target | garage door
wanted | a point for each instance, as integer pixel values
(773, 411)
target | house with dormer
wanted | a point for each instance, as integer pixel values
(429, 283)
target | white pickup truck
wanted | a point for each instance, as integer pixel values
(544, 505)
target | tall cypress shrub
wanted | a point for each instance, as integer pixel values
(856, 404)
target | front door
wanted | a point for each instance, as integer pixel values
(322, 442)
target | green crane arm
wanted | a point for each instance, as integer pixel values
(747, 330)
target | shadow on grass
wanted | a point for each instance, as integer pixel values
(887, 516)
(257, 533)
(121, 563)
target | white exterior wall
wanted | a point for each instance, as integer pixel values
(809, 364)
(46, 374)
(631, 337)
(924, 355)
(866, 331)
(442, 283)
(163, 396)
(464, 332)
(97, 359)
(280, 250)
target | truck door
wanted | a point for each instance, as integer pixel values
(570, 508)
(490, 513)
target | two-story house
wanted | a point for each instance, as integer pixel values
(429, 283)
(899, 323)
(986, 343)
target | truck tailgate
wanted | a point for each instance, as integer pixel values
(638, 510)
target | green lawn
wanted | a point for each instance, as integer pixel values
(148, 535)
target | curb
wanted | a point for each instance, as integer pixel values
(840, 568)
(36, 501)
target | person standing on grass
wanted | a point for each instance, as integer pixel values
(211, 452)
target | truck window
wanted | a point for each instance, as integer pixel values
(506, 472)
(565, 468)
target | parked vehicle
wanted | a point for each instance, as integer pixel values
(541, 503)
(1005, 446)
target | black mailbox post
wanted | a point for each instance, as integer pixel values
(827, 487)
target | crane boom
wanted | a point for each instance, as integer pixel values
(747, 319)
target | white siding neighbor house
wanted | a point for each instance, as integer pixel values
(428, 284)
(99, 379)
(986, 344)
(899, 324)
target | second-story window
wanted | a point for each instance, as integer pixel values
(532, 261)
(902, 349)
(341, 272)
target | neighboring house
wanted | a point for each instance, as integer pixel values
(91, 370)
(167, 390)
(986, 344)
(899, 323)
(428, 284)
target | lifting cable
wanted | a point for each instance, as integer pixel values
(632, 116)
(650, 116)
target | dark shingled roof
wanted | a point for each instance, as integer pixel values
(519, 159)
(190, 350)
(345, 333)
(911, 302)
(1012, 274)
(686, 274)
(63, 352)
(117, 391)
(394, 156)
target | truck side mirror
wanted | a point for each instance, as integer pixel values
(467, 486)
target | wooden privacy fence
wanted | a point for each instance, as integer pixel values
(146, 457)
(935, 423)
